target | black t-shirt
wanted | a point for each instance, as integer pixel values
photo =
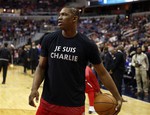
(67, 59)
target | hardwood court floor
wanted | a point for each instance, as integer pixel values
(14, 97)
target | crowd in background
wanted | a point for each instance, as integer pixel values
(29, 7)
(112, 35)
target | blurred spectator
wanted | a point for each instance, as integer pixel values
(118, 67)
(34, 57)
(141, 64)
(25, 58)
(5, 59)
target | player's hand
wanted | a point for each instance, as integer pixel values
(33, 94)
(118, 107)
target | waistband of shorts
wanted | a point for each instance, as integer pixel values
(61, 109)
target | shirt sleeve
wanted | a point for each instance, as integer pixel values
(44, 47)
(94, 54)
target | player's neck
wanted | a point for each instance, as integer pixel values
(69, 34)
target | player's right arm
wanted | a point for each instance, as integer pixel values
(37, 80)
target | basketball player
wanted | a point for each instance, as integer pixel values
(92, 88)
(64, 56)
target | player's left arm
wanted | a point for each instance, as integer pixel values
(108, 83)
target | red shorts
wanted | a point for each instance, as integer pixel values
(46, 108)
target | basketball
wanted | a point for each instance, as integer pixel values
(105, 104)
